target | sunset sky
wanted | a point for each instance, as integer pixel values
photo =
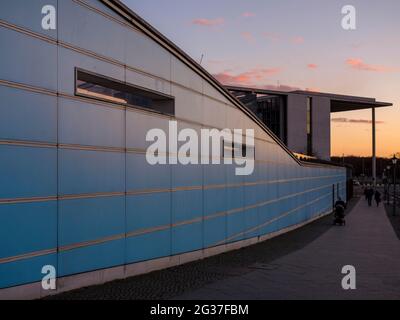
(291, 44)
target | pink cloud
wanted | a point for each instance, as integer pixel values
(247, 78)
(359, 64)
(313, 89)
(298, 40)
(280, 87)
(349, 120)
(253, 77)
(248, 14)
(312, 66)
(248, 36)
(208, 22)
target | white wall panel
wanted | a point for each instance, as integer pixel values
(137, 126)
(188, 105)
(214, 114)
(148, 82)
(144, 54)
(86, 29)
(183, 75)
(27, 14)
(209, 90)
(234, 118)
(27, 60)
(100, 6)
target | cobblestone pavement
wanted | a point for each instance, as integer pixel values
(305, 263)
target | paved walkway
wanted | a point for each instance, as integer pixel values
(368, 242)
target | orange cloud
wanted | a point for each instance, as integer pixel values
(248, 36)
(248, 14)
(359, 64)
(208, 22)
(312, 66)
(248, 78)
(298, 40)
(280, 87)
(313, 89)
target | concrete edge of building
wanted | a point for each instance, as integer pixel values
(35, 291)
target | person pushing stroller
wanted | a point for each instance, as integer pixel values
(340, 207)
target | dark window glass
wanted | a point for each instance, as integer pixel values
(309, 127)
(106, 89)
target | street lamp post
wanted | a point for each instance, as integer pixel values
(384, 180)
(388, 185)
(394, 161)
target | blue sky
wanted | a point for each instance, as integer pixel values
(296, 44)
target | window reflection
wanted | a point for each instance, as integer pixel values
(102, 88)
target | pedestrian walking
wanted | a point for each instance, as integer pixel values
(377, 198)
(365, 193)
(370, 195)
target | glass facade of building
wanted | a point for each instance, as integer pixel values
(270, 109)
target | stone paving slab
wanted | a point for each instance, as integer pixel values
(367, 242)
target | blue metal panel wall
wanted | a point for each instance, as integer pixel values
(28, 157)
(77, 192)
(27, 14)
(36, 66)
(27, 116)
(143, 213)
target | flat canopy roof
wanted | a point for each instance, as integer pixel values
(343, 105)
(339, 103)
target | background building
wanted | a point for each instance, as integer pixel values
(302, 119)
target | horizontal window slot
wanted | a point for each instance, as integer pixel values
(106, 89)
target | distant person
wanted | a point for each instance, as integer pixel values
(377, 198)
(370, 195)
(340, 206)
(366, 192)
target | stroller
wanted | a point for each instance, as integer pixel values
(340, 206)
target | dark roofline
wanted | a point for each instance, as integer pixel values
(346, 98)
(365, 102)
(335, 96)
(142, 25)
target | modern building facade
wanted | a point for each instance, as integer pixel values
(77, 192)
(302, 119)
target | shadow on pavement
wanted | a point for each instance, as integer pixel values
(394, 219)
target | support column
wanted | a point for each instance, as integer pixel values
(373, 147)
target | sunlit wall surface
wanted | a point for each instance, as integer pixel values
(76, 191)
